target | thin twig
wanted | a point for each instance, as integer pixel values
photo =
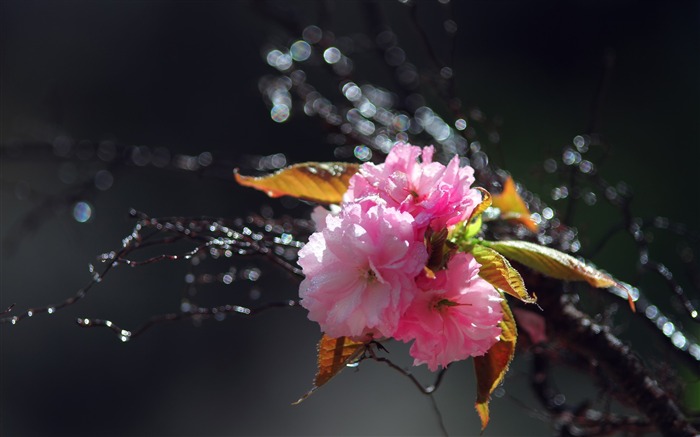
(198, 313)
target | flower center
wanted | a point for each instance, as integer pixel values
(443, 305)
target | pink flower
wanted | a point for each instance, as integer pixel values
(455, 316)
(435, 195)
(318, 215)
(360, 270)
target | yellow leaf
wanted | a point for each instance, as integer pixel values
(322, 182)
(333, 355)
(497, 271)
(491, 368)
(513, 206)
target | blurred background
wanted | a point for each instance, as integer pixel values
(181, 79)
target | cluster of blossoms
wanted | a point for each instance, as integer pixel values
(368, 269)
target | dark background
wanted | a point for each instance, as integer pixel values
(183, 75)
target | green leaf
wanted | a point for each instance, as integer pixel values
(498, 272)
(474, 222)
(333, 355)
(551, 262)
(491, 368)
(555, 264)
(467, 229)
(322, 182)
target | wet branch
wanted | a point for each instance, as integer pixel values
(617, 360)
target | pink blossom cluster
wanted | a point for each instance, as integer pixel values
(366, 272)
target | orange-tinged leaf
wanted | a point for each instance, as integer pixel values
(333, 355)
(497, 271)
(322, 182)
(486, 201)
(513, 206)
(491, 368)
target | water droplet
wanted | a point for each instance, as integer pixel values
(590, 198)
(104, 180)
(205, 159)
(424, 115)
(300, 51)
(586, 167)
(611, 193)
(365, 127)
(559, 399)
(352, 92)
(367, 109)
(581, 143)
(550, 165)
(668, 329)
(141, 155)
(461, 124)
(679, 340)
(560, 192)
(479, 160)
(51, 310)
(408, 75)
(623, 189)
(279, 113)
(548, 213)
(252, 274)
(14, 320)
(363, 153)
(332, 55)
(286, 238)
(394, 56)
(446, 72)
(401, 122)
(575, 246)
(82, 212)
(570, 157)
(106, 150)
(312, 34)
(694, 350)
